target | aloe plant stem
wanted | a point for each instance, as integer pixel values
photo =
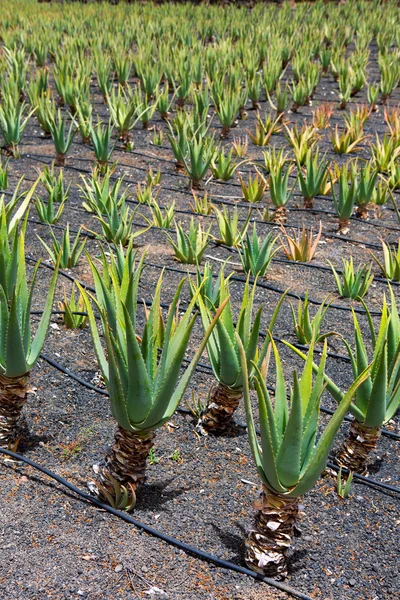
(356, 449)
(219, 410)
(280, 215)
(125, 463)
(13, 397)
(267, 544)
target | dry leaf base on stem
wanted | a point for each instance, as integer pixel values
(220, 408)
(125, 462)
(356, 449)
(268, 543)
(13, 396)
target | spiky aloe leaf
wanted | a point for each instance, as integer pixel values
(320, 454)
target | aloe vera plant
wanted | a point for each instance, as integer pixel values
(68, 255)
(231, 233)
(47, 212)
(223, 351)
(354, 284)
(307, 329)
(143, 377)
(345, 199)
(190, 247)
(61, 139)
(159, 218)
(116, 224)
(13, 123)
(378, 397)
(101, 140)
(197, 162)
(256, 256)
(302, 246)
(390, 266)
(222, 166)
(73, 309)
(313, 178)
(278, 188)
(254, 189)
(289, 459)
(18, 351)
(366, 181)
(100, 195)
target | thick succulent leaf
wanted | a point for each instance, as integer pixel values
(229, 362)
(318, 460)
(376, 407)
(361, 359)
(139, 397)
(15, 352)
(251, 346)
(4, 314)
(269, 440)
(331, 386)
(289, 455)
(114, 386)
(251, 430)
(213, 349)
(26, 312)
(166, 386)
(281, 405)
(174, 339)
(41, 332)
(101, 358)
(184, 380)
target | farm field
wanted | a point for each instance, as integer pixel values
(198, 181)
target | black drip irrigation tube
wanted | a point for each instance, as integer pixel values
(200, 366)
(245, 207)
(291, 263)
(142, 527)
(272, 288)
(181, 191)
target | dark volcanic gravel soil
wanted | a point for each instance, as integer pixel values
(200, 490)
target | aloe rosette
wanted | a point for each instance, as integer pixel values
(223, 352)
(288, 457)
(142, 375)
(18, 351)
(378, 398)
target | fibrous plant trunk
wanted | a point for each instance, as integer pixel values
(179, 166)
(60, 160)
(308, 202)
(125, 464)
(279, 215)
(13, 396)
(268, 543)
(356, 449)
(344, 226)
(225, 132)
(220, 408)
(362, 211)
(195, 184)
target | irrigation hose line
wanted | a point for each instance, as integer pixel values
(272, 288)
(258, 283)
(219, 562)
(200, 366)
(180, 191)
(290, 263)
(267, 223)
